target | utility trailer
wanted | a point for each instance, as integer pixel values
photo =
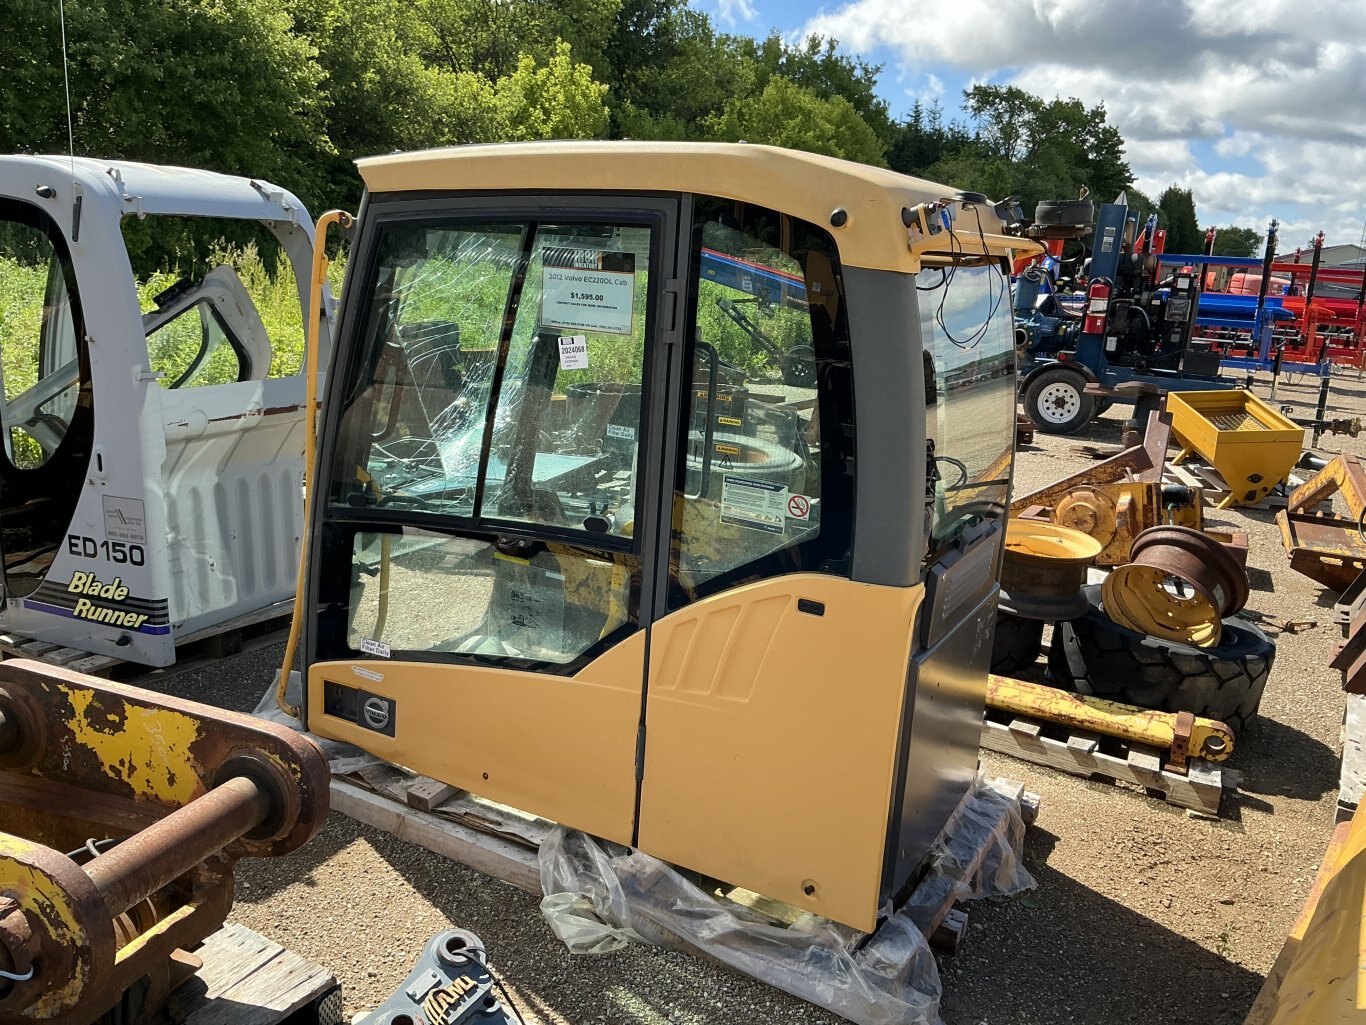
(151, 465)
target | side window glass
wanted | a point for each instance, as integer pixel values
(194, 349)
(425, 592)
(969, 357)
(569, 412)
(431, 345)
(38, 343)
(765, 486)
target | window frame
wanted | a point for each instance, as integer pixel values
(838, 440)
(244, 367)
(17, 211)
(335, 524)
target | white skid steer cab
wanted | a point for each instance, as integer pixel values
(152, 456)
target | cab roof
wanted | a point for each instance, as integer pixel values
(804, 185)
(131, 188)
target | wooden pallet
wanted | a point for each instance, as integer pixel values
(503, 842)
(247, 979)
(1095, 757)
(195, 651)
(1352, 775)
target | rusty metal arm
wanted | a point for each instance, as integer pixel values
(155, 799)
(1140, 463)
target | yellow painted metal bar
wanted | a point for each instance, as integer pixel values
(1209, 739)
(315, 306)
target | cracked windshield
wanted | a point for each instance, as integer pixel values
(566, 305)
(969, 390)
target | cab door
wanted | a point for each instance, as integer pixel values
(776, 682)
(483, 559)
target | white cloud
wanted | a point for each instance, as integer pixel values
(733, 11)
(1275, 87)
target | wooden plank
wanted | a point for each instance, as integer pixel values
(247, 979)
(1083, 743)
(36, 649)
(94, 665)
(1145, 759)
(1200, 790)
(64, 656)
(949, 936)
(426, 794)
(513, 863)
(1352, 776)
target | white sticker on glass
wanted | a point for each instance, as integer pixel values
(757, 504)
(377, 648)
(588, 290)
(573, 352)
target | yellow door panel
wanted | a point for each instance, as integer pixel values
(560, 747)
(771, 738)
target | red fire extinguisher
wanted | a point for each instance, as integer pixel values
(1097, 306)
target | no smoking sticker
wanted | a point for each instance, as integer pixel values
(798, 507)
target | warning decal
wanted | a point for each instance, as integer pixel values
(757, 504)
(799, 507)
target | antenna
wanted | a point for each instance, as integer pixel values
(70, 129)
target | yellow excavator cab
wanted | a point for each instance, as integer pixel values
(660, 492)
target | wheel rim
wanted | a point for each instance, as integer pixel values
(1059, 402)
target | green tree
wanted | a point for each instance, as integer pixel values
(1177, 208)
(817, 64)
(226, 85)
(785, 114)
(1235, 241)
(558, 100)
(923, 139)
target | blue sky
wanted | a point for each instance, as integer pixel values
(1259, 108)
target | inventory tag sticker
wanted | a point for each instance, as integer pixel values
(757, 504)
(588, 290)
(124, 519)
(368, 674)
(377, 648)
(573, 352)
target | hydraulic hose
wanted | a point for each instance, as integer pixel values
(315, 304)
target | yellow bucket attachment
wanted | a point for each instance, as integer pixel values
(1251, 445)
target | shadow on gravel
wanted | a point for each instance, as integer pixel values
(637, 986)
(1277, 760)
(1067, 954)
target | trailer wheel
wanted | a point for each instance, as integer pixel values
(1096, 656)
(1017, 643)
(1057, 402)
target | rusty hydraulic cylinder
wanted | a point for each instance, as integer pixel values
(144, 863)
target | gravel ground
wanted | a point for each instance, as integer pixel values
(1138, 904)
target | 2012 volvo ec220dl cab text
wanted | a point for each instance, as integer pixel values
(661, 493)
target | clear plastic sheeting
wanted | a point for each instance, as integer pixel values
(341, 758)
(600, 896)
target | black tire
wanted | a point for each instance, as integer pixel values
(799, 367)
(1017, 643)
(1065, 211)
(1056, 401)
(1093, 655)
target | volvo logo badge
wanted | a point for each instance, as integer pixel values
(376, 711)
